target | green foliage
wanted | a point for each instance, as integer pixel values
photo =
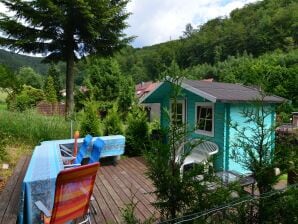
(283, 206)
(103, 79)
(90, 121)
(50, 92)
(137, 132)
(126, 94)
(286, 155)
(32, 128)
(26, 99)
(29, 77)
(9, 81)
(112, 123)
(56, 74)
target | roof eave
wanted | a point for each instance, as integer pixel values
(249, 101)
(199, 92)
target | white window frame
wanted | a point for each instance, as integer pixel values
(208, 105)
(183, 109)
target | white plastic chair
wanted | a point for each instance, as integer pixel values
(198, 155)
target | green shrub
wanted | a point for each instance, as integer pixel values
(26, 99)
(32, 128)
(90, 123)
(137, 132)
(112, 122)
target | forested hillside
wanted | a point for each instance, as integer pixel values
(15, 61)
(256, 29)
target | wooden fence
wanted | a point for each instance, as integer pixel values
(47, 108)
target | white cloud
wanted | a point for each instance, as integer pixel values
(155, 21)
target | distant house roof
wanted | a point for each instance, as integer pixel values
(144, 88)
(223, 92)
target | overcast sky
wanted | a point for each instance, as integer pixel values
(156, 21)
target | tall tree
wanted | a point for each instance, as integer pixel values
(65, 30)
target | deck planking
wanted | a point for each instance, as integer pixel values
(115, 187)
(9, 198)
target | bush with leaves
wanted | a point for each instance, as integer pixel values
(112, 123)
(90, 121)
(29, 77)
(137, 131)
(26, 99)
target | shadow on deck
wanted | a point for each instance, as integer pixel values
(114, 188)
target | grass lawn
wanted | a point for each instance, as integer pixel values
(2, 106)
(283, 177)
(3, 96)
(21, 132)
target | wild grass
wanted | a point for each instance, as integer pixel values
(32, 128)
(13, 152)
(3, 96)
(3, 106)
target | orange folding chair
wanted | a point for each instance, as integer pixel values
(74, 187)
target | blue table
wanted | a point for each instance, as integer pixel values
(39, 181)
(46, 162)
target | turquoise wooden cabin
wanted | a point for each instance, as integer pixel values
(208, 107)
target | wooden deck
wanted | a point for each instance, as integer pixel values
(9, 198)
(115, 187)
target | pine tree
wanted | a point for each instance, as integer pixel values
(55, 73)
(50, 91)
(66, 29)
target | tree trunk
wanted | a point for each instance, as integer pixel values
(69, 85)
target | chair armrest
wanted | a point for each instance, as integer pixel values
(43, 208)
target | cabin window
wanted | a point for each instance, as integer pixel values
(180, 111)
(205, 118)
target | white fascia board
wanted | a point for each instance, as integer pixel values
(143, 98)
(185, 86)
(199, 92)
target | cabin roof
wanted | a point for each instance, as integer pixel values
(223, 92)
